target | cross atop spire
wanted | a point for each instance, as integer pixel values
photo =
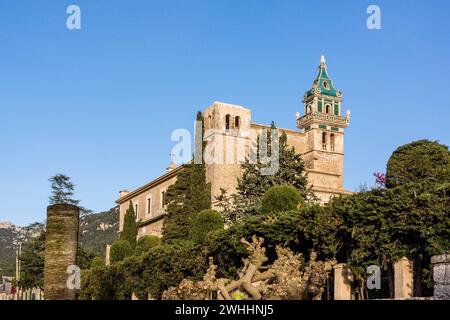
(322, 60)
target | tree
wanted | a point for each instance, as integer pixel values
(32, 263)
(149, 274)
(252, 185)
(420, 169)
(382, 225)
(280, 198)
(204, 222)
(85, 257)
(421, 160)
(164, 266)
(145, 243)
(188, 195)
(97, 262)
(62, 192)
(130, 226)
(120, 249)
(287, 229)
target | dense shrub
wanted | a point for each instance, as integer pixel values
(96, 284)
(166, 265)
(280, 198)
(97, 262)
(301, 230)
(149, 274)
(204, 222)
(383, 225)
(418, 161)
(120, 249)
(145, 243)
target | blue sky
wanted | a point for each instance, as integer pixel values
(99, 104)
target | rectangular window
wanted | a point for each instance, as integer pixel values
(136, 212)
(307, 128)
(320, 106)
(336, 109)
(321, 126)
(149, 206)
(334, 129)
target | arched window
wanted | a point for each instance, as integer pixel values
(237, 122)
(324, 140)
(332, 139)
(208, 122)
(227, 122)
(309, 109)
(327, 108)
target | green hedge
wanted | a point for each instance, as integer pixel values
(120, 249)
(149, 274)
(280, 198)
(145, 243)
(203, 223)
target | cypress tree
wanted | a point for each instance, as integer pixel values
(189, 195)
(130, 227)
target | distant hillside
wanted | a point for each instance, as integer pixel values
(96, 231)
(99, 229)
(10, 237)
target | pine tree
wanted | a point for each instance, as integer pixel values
(130, 227)
(32, 263)
(62, 190)
(190, 194)
(252, 185)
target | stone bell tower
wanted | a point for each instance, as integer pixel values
(323, 125)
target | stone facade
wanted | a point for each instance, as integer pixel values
(441, 276)
(147, 202)
(231, 135)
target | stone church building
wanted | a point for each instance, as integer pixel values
(319, 139)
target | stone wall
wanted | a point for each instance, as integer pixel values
(441, 276)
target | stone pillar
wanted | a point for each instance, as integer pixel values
(342, 282)
(61, 244)
(441, 276)
(403, 279)
(107, 255)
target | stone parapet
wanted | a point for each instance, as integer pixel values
(441, 276)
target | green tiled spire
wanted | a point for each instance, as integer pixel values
(323, 83)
